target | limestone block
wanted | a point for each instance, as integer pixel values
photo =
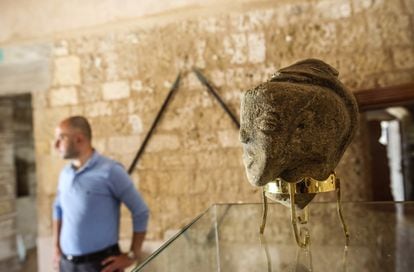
(315, 39)
(92, 68)
(115, 90)
(218, 77)
(160, 142)
(136, 123)
(8, 247)
(44, 208)
(395, 28)
(6, 206)
(123, 144)
(200, 46)
(90, 92)
(6, 189)
(351, 33)
(237, 77)
(63, 96)
(48, 168)
(176, 182)
(39, 99)
(235, 45)
(7, 227)
(229, 138)
(7, 155)
(333, 9)
(103, 126)
(111, 65)
(220, 158)
(100, 144)
(149, 161)
(61, 48)
(403, 57)
(394, 78)
(96, 109)
(409, 6)
(136, 86)
(43, 147)
(177, 160)
(67, 71)
(45, 122)
(146, 103)
(197, 139)
(257, 47)
(118, 107)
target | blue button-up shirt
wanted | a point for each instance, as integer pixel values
(88, 205)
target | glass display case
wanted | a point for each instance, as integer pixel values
(226, 238)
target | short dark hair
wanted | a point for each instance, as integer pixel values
(82, 124)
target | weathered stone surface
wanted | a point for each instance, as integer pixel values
(115, 90)
(6, 207)
(89, 93)
(6, 189)
(297, 125)
(236, 51)
(229, 138)
(7, 227)
(123, 144)
(163, 142)
(67, 71)
(403, 57)
(63, 96)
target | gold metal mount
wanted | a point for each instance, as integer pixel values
(304, 186)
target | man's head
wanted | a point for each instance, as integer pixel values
(73, 137)
(296, 125)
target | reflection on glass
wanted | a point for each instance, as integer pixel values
(391, 134)
(227, 238)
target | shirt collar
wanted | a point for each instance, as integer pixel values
(89, 163)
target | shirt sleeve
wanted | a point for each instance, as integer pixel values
(57, 209)
(124, 190)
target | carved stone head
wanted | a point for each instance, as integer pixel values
(296, 125)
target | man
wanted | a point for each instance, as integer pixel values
(86, 210)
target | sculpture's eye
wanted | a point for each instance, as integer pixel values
(301, 126)
(268, 122)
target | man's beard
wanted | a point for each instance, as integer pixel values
(71, 152)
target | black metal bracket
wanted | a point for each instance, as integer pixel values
(164, 105)
(210, 88)
(173, 90)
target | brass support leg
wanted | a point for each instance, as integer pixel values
(339, 209)
(301, 241)
(264, 216)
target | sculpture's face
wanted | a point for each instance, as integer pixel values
(291, 131)
(263, 136)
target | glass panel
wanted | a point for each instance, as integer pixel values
(226, 238)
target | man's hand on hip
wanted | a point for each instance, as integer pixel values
(117, 263)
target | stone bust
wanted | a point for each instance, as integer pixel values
(298, 124)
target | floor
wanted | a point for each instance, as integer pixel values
(30, 264)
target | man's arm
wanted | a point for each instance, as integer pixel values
(125, 191)
(136, 245)
(56, 245)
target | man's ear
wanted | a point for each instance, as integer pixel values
(79, 138)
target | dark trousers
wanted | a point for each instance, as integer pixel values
(87, 263)
(68, 266)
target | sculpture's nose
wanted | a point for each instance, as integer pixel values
(243, 135)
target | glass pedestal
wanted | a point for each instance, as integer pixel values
(226, 237)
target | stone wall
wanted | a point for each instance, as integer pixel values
(8, 253)
(119, 79)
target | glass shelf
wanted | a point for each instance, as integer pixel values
(226, 238)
